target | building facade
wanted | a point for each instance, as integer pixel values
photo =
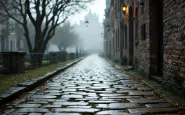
(11, 35)
(151, 37)
(113, 36)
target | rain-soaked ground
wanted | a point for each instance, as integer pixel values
(91, 87)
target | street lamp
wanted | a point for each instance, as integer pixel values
(124, 8)
(86, 23)
(101, 34)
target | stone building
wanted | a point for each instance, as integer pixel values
(108, 34)
(113, 29)
(11, 35)
(153, 39)
(91, 34)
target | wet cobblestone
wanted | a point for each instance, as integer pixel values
(92, 86)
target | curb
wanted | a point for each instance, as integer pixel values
(14, 92)
(156, 87)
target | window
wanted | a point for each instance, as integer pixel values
(12, 27)
(142, 8)
(126, 36)
(11, 45)
(136, 25)
(143, 31)
(118, 39)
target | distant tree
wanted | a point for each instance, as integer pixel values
(42, 13)
(65, 37)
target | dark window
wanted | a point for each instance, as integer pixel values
(136, 25)
(143, 31)
(12, 27)
(11, 45)
(142, 8)
(118, 39)
(125, 36)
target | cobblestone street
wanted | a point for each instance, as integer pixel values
(91, 87)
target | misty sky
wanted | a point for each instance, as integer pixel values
(97, 6)
(90, 37)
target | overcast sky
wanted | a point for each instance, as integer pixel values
(98, 7)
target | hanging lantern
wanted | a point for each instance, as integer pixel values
(86, 23)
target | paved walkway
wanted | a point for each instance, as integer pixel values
(91, 87)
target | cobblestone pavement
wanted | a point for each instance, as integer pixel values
(91, 87)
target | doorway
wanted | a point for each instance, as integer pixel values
(131, 40)
(156, 37)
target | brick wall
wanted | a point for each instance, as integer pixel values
(174, 42)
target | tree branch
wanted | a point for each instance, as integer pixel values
(27, 6)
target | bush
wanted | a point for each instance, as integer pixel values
(124, 60)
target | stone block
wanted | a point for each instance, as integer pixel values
(31, 110)
(53, 57)
(77, 110)
(13, 62)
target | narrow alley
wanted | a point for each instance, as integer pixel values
(92, 86)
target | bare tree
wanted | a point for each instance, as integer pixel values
(65, 37)
(45, 16)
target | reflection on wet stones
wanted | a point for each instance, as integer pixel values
(92, 86)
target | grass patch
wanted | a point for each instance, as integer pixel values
(43, 62)
(11, 80)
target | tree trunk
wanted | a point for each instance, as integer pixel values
(39, 48)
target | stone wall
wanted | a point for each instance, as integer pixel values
(174, 43)
(161, 53)
(142, 45)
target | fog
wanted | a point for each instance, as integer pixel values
(90, 36)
